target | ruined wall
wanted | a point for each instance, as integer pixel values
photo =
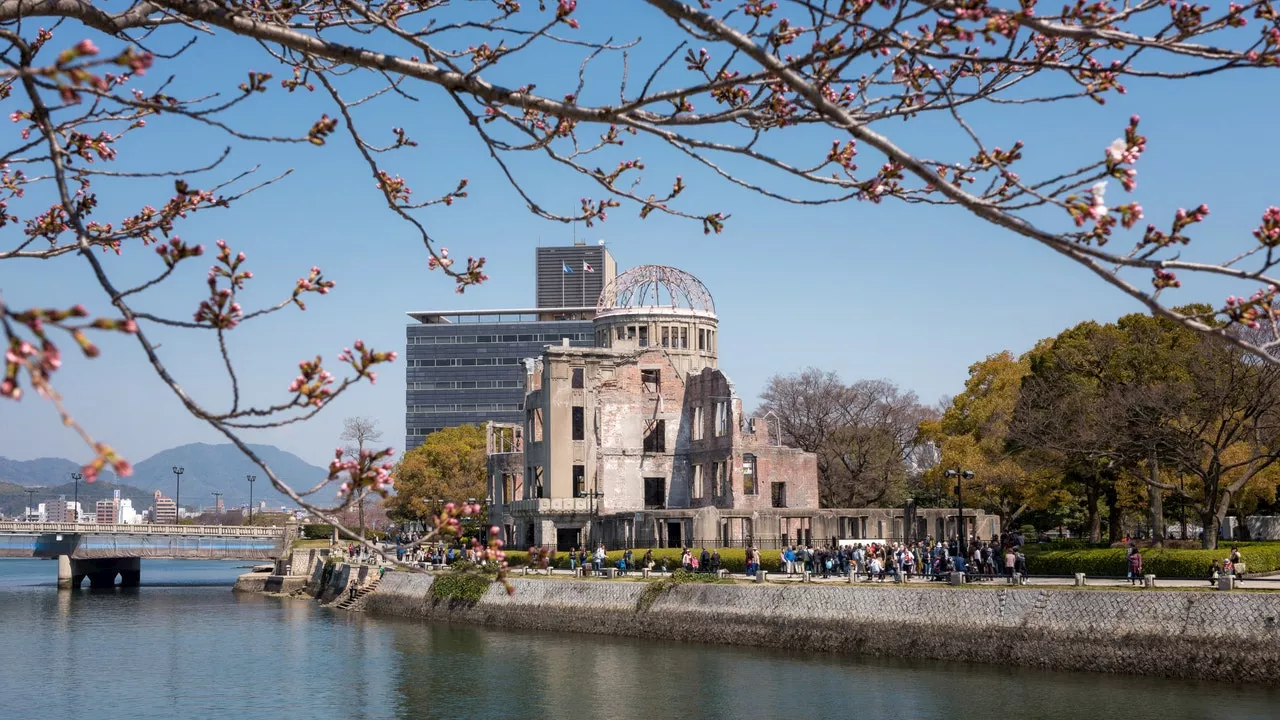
(623, 409)
(1233, 637)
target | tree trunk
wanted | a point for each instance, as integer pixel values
(1093, 519)
(1211, 524)
(1115, 516)
(1155, 504)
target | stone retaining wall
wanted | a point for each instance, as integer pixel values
(1205, 635)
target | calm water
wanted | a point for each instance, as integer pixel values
(185, 646)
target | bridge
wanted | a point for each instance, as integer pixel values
(104, 552)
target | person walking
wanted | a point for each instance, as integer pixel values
(1135, 566)
(1010, 560)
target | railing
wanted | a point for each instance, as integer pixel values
(34, 528)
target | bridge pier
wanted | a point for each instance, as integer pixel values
(102, 572)
(64, 572)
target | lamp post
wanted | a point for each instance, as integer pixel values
(75, 513)
(592, 507)
(251, 479)
(908, 521)
(177, 494)
(960, 476)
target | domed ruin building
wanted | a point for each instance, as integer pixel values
(641, 440)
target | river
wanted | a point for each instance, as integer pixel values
(184, 646)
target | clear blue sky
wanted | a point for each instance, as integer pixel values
(908, 293)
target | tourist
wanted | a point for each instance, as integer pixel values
(1215, 571)
(715, 561)
(626, 561)
(573, 560)
(1010, 560)
(704, 560)
(686, 559)
(789, 560)
(875, 567)
(599, 560)
(1237, 564)
(647, 560)
(1135, 565)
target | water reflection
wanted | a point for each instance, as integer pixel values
(177, 649)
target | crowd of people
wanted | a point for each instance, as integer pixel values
(904, 561)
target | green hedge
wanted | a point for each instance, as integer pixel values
(1258, 557)
(317, 531)
(731, 559)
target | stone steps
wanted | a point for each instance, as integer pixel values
(353, 602)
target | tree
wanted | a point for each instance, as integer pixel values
(856, 70)
(865, 435)
(1222, 428)
(973, 435)
(359, 432)
(448, 467)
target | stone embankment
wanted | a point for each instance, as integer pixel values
(1233, 637)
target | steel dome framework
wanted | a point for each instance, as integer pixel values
(656, 286)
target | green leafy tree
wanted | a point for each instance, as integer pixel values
(449, 466)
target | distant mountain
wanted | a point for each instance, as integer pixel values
(42, 471)
(206, 469)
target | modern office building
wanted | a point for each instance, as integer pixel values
(467, 367)
(572, 276)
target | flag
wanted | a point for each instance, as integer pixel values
(586, 267)
(568, 269)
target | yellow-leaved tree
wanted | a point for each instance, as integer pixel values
(448, 467)
(972, 435)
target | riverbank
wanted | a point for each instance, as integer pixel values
(1233, 637)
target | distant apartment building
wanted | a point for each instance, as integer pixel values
(108, 512)
(164, 511)
(467, 367)
(60, 511)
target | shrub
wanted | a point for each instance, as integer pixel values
(731, 559)
(655, 588)
(1171, 563)
(317, 531)
(460, 586)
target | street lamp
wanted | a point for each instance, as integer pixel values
(251, 479)
(75, 513)
(908, 521)
(177, 494)
(592, 507)
(960, 476)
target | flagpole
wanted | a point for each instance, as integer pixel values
(562, 303)
(584, 286)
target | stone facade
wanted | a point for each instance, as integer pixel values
(1232, 637)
